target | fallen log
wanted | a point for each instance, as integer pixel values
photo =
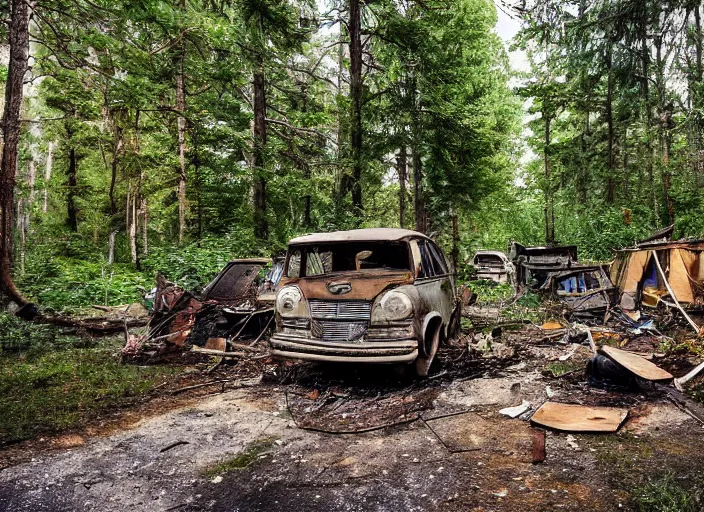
(93, 325)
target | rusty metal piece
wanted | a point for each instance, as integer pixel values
(538, 454)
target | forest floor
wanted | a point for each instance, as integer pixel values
(324, 438)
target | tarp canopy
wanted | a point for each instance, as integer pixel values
(635, 273)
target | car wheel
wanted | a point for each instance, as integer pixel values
(432, 342)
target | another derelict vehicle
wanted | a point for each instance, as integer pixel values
(493, 266)
(368, 295)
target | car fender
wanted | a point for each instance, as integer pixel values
(426, 322)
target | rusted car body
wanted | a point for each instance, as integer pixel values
(237, 303)
(368, 295)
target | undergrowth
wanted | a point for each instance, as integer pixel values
(50, 382)
(666, 494)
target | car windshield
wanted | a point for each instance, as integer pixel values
(321, 259)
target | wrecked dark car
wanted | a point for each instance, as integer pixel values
(238, 304)
(368, 295)
(586, 290)
(535, 264)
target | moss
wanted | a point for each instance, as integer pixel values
(558, 368)
(242, 460)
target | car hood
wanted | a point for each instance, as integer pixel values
(362, 285)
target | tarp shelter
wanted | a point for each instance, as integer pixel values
(635, 273)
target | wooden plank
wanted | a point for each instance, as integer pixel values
(579, 418)
(636, 364)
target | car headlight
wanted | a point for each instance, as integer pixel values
(290, 302)
(393, 306)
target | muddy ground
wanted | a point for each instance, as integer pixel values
(328, 438)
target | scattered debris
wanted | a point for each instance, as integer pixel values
(572, 442)
(636, 364)
(579, 418)
(686, 378)
(516, 411)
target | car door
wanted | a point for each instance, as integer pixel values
(433, 279)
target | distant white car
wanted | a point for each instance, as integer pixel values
(493, 266)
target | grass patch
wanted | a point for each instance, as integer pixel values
(665, 494)
(48, 387)
(559, 368)
(242, 460)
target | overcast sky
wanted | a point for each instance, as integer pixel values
(507, 27)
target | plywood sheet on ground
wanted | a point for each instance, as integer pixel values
(579, 418)
(636, 364)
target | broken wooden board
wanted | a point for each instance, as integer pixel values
(551, 326)
(636, 364)
(579, 418)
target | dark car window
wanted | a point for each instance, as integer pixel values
(428, 270)
(438, 259)
(323, 259)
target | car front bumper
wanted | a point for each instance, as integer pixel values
(386, 348)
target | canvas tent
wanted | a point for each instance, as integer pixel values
(639, 281)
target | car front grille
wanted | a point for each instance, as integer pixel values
(340, 309)
(339, 321)
(339, 331)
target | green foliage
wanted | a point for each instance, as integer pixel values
(489, 292)
(61, 282)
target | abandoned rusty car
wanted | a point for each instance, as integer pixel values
(367, 295)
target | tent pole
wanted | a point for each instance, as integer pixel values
(674, 297)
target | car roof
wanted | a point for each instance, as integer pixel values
(359, 235)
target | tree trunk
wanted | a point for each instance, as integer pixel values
(356, 97)
(455, 253)
(610, 123)
(72, 185)
(111, 247)
(17, 67)
(31, 180)
(261, 226)
(402, 166)
(131, 222)
(421, 216)
(647, 118)
(698, 98)
(47, 175)
(116, 151)
(549, 207)
(181, 125)
(22, 230)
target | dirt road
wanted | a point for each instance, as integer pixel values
(243, 450)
